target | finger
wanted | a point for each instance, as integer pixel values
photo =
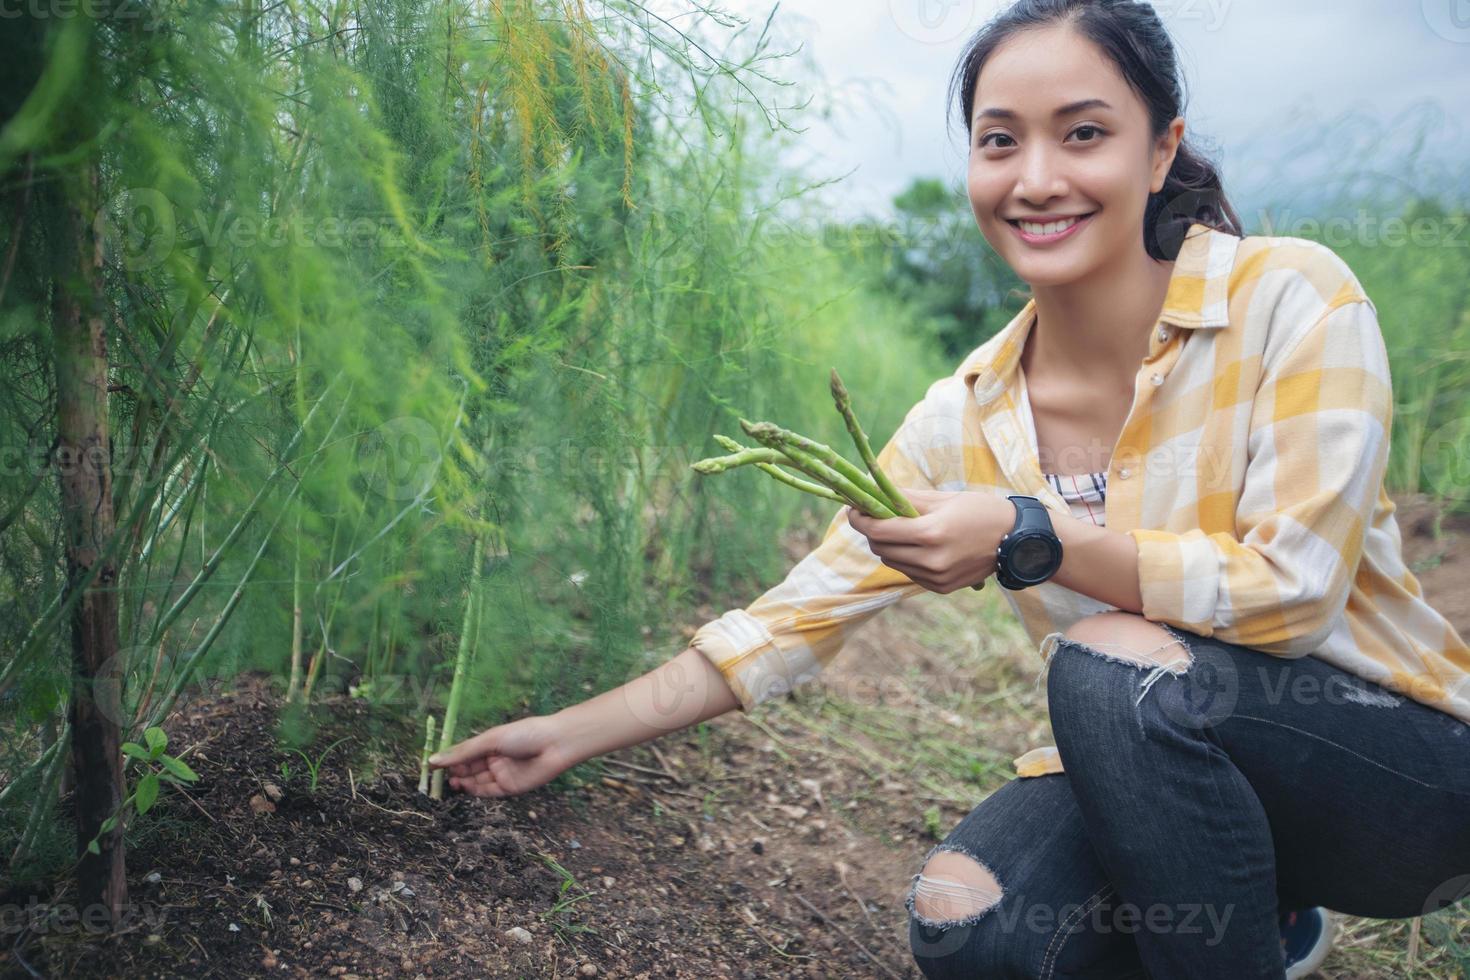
(895, 530)
(471, 767)
(485, 784)
(914, 573)
(471, 748)
(913, 555)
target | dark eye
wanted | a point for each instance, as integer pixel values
(1088, 127)
(981, 141)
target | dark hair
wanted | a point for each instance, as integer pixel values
(1130, 33)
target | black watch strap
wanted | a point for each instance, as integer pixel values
(1031, 517)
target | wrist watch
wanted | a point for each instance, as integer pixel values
(1031, 552)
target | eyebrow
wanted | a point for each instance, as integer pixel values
(1066, 110)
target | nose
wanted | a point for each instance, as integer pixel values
(1040, 178)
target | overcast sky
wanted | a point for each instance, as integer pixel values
(1263, 77)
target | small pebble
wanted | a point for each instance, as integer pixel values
(354, 885)
(519, 935)
(588, 970)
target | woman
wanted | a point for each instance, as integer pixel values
(1257, 715)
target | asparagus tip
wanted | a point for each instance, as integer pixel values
(839, 390)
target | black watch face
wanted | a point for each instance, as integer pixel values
(1031, 558)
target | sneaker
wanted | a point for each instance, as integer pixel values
(1306, 936)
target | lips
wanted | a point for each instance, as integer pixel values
(1045, 232)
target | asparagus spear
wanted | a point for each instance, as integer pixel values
(833, 459)
(818, 461)
(895, 497)
(791, 443)
(766, 461)
(424, 761)
(739, 456)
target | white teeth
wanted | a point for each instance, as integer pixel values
(1051, 228)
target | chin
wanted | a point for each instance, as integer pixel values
(1053, 270)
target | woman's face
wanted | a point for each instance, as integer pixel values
(1039, 154)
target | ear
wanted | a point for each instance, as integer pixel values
(1165, 151)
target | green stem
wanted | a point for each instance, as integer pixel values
(719, 464)
(769, 467)
(828, 456)
(428, 748)
(461, 664)
(895, 497)
(776, 437)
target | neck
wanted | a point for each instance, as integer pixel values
(1095, 331)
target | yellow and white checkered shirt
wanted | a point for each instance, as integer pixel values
(1249, 472)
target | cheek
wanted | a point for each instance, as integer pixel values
(987, 187)
(1112, 176)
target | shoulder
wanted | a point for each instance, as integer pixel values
(1285, 288)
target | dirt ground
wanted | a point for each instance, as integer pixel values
(778, 845)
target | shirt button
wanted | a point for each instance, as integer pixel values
(1157, 379)
(1124, 473)
(1163, 333)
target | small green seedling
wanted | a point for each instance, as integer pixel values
(314, 767)
(145, 794)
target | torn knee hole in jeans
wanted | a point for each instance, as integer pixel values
(957, 894)
(1133, 658)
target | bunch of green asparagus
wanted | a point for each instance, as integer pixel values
(836, 478)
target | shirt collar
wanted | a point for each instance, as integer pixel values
(1197, 299)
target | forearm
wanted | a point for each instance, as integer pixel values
(1098, 562)
(674, 695)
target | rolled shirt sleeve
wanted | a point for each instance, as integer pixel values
(791, 632)
(1319, 440)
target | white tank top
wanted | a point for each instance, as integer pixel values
(1085, 493)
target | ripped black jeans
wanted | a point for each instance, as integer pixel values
(1196, 803)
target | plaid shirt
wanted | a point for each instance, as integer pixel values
(1249, 472)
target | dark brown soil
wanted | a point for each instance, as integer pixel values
(764, 847)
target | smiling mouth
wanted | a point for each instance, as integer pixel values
(1048, 227)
